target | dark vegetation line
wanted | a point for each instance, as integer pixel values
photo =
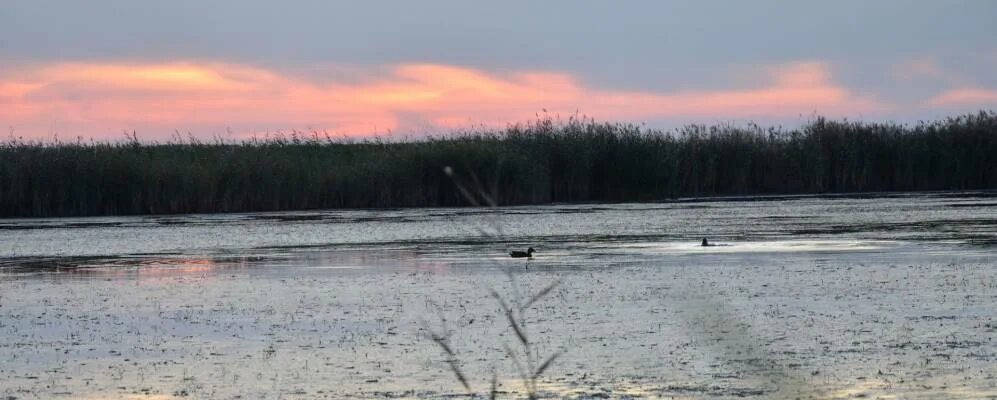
(577, 160)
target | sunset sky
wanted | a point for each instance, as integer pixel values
(238, 68)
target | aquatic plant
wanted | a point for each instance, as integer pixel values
(512, 310)
(549, 160)
(523, 359)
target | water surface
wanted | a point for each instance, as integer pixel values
(845, 296)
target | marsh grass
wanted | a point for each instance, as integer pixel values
(549, 160)
(524, 355)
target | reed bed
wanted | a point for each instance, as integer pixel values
(545, 161)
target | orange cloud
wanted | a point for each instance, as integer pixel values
(93, 99)
(964, 97)
(794, 89)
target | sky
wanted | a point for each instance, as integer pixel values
(236, 69)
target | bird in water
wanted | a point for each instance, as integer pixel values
(522, 254)
(706, 243)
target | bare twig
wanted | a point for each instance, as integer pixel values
(540, 295)
(546, 364)
(514, 315)
(493, 394)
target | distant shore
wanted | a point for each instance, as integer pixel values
(542, 162)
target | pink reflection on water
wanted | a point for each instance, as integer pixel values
(151, 271)
(435, 267)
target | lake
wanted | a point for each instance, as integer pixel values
(889, 295)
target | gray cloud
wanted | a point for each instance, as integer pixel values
(645, 41)
(636, 45)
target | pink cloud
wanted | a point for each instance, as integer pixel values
(101, 100)
(964, 97)
(792, 89)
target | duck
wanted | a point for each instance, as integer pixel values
(707, 243)
(522, 254)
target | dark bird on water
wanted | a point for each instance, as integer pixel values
(522, 254)
(705, 243)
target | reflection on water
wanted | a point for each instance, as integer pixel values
(775, 246)
(140, 269)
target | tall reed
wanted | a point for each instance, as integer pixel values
(576, 160)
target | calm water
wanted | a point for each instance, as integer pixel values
(963, 221)
(821, 297)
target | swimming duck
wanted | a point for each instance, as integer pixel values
(522, 254)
